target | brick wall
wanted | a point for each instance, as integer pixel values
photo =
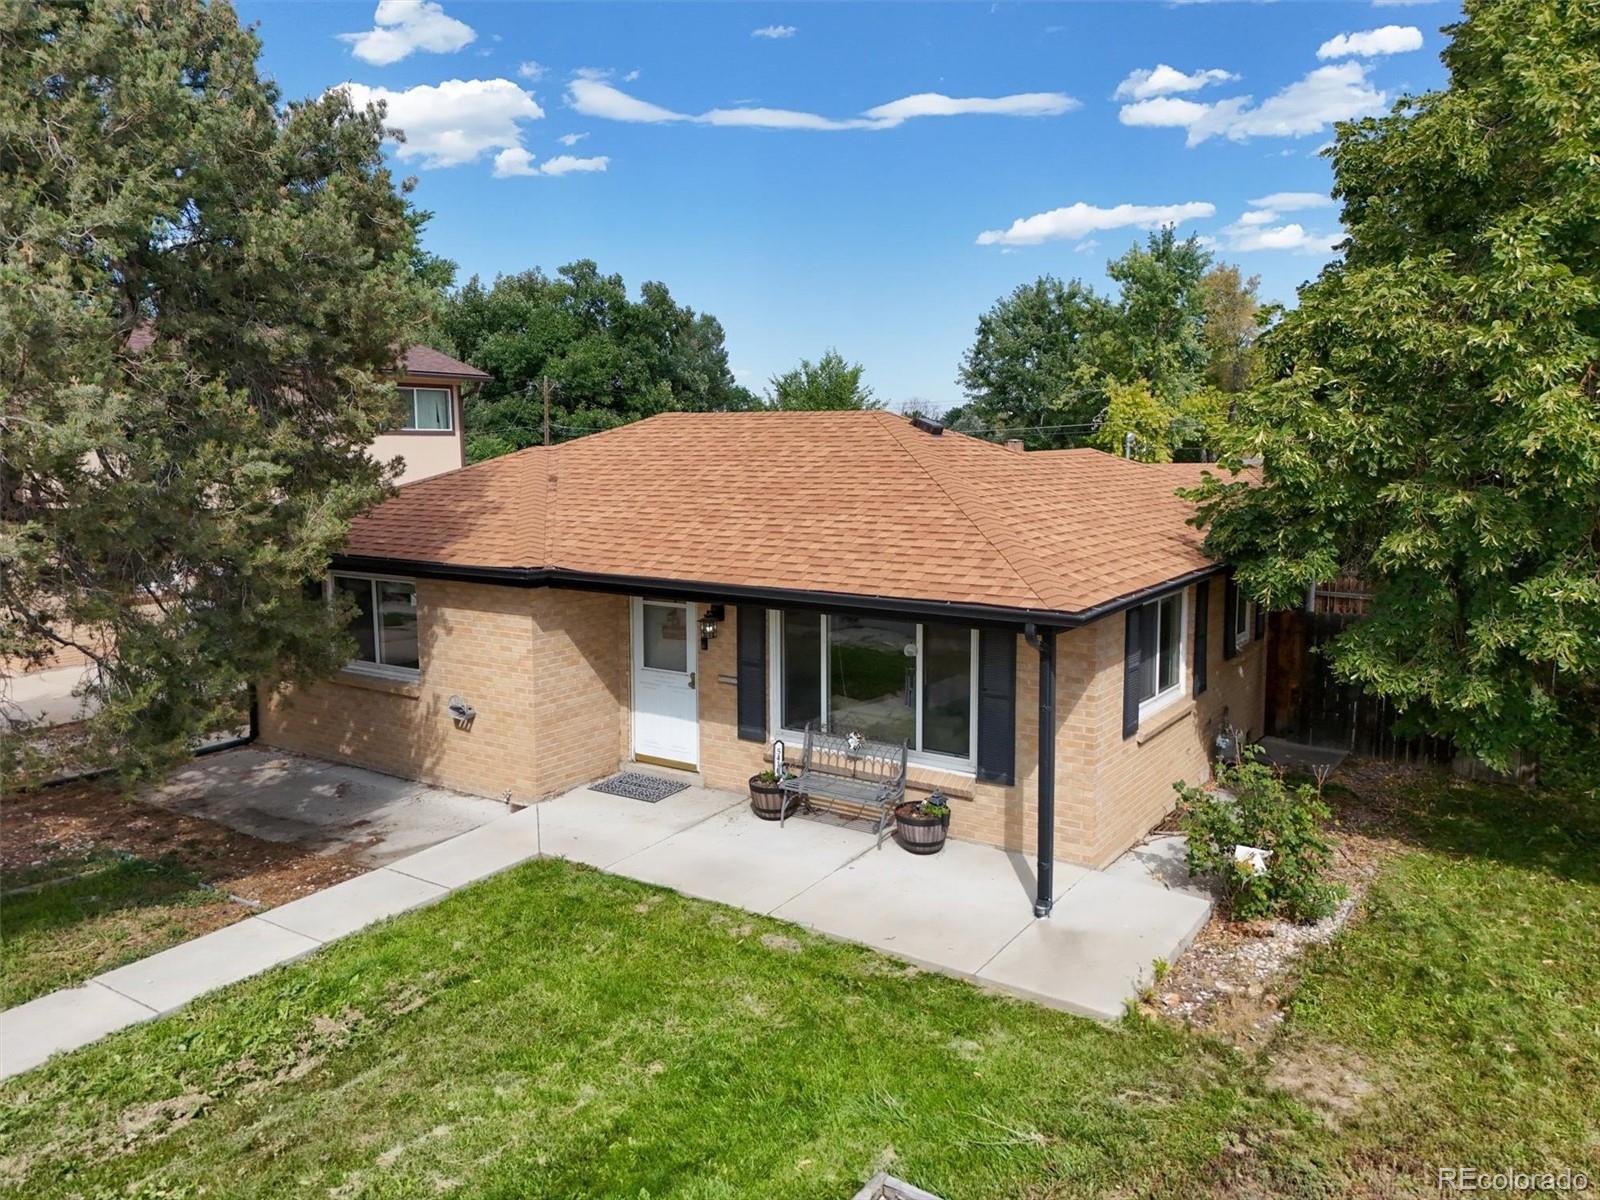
(549, 672)
(546, 670)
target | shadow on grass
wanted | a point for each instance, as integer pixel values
(74, 892)
(1541, 829)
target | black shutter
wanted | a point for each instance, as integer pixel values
(997, 706)
(752, 653)
(1132, 658)
(1261, 621)
(1202, 618)
(1230, 619)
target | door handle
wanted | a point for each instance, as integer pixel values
(691, 681)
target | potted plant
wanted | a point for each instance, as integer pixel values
(920, 825)
(767, 797)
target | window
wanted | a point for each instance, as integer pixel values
(1244, 621)
(1161, 638)
(385, 622)
(888, 679)
(426, 408)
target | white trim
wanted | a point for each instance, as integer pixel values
(411, 425)
(1246, 609)
(931, 759)
(381, 670)
(636, 664)
(1178, 689)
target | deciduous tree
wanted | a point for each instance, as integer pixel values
(829, 383)
(1432, 420)
(610, 359)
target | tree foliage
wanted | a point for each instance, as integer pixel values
(610, 358)
(828, 383)
(165, 503)
(1432, 416)
(1233, 321)
(1045, 358)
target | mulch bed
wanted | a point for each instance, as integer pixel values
(1233, 979)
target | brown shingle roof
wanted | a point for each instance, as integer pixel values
(424, 360)
(859, 504)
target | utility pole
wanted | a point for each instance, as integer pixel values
(544, 389)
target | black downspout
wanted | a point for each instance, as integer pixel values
(1044, 640)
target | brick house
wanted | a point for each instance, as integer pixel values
(686, 589)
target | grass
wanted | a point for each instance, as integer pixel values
(76, 917)
(560, 1032)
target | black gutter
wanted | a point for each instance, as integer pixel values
(1044, 641)
(775, 597)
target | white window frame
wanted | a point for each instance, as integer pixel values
(1179, 688)
(361, 666)
(410, 424)
(965, 765)
(1244, 613)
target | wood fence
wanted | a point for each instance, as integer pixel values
(1307, 703)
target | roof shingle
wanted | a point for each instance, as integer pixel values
(862, 504)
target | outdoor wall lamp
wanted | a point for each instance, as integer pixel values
(708, 624)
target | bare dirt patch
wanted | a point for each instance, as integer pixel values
(78, 820)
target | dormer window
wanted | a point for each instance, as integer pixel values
(427, 409)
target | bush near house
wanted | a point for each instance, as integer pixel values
(1253, 806)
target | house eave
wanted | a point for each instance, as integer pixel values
(774, 597)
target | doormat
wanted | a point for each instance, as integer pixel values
(637, 786)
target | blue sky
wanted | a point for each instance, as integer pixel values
(864, 176)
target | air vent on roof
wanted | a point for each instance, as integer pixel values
(927, 425)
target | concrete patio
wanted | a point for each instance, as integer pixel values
(966, 911)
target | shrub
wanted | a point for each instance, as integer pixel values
(1252, 806)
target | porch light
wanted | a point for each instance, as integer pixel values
(708, 624)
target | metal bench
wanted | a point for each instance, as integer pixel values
(852, 769)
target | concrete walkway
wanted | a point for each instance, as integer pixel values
(966, 911)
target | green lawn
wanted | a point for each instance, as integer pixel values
(77, 917)
(558, 1032)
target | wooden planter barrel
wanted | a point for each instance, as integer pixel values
(917, 832)
(767, 799)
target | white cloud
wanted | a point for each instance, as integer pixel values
(1162, 80)
(1309, 105)
(591, 95)
(1391, 39)
(571, 139)
(1293, 201)
(775, 118)
(402, 27)
(774, 31)
(932, 104)
(1164, 111)
(594, 97)
(1292, 237)
(532, 71)
(517, 161)
(1258, 216)
(455, 122)
(632, 75)
(1076, 220)
(1087, 246)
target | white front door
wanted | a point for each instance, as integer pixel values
(666, 710)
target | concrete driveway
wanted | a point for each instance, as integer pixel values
(321, 805)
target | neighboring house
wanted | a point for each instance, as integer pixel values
(685, 589)
(430, 440)
(430, 437)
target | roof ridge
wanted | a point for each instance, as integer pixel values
(895, 427)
